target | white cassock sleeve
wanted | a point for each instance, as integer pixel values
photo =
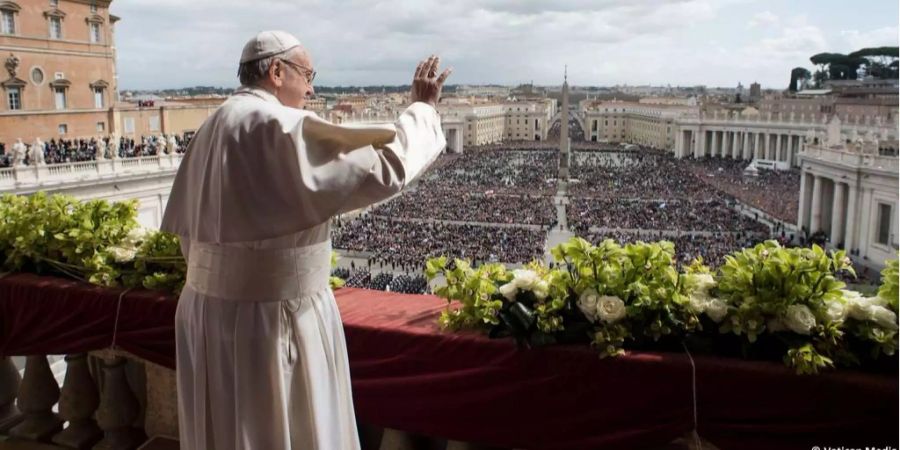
(390, 160)
(258, 171)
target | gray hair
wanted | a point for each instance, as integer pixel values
(251, 73)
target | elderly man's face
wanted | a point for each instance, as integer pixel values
(292, 76)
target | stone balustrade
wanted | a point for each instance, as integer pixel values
(854, 159)
(42, 177)
(111, 400)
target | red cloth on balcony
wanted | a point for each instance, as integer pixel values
(407, 374)
(49, 315)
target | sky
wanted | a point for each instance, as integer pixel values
(176, 43)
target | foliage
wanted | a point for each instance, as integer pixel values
(632, 296)
(94, 241)
(890, 284)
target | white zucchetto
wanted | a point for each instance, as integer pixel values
(268, 43)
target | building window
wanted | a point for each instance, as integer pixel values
(98, 97)
(101, 127)
(884, 223)
(154, 124)
(55, 28)
(59, 94)
(95, 32)
(63, 128)
(93, 8)
(54, 3)
(14, 98)
(8, 23)
(37, 75)
(129, 124)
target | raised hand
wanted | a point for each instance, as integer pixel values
(427, 84)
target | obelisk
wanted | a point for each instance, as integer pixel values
(564, 143)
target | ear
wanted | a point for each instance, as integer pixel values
(276, 73)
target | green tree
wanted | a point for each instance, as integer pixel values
(798, 74)
(878, 60)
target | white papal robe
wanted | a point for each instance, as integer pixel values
(262, 361)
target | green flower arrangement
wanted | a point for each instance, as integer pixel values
(633, 296)
(95, 241)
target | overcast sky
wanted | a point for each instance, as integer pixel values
(176, 43)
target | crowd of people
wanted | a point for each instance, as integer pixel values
(517, 170)
(676, 215)
(630, 175)
(405, 245)
(449, 204)
(713, 248)
(402, 283)
(59, 151)
(776, 192)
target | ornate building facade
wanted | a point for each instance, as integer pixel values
(60, 68)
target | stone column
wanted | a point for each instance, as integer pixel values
(865, 223)
(759, 143)
(714, 151)
(9, 387)
(802, 213)
(837, 215)
(119, 408)
(815, 221)
(700, 148)
(850, 229)
(745, 147)
(37, 395)
(77, 404)
(735, 154)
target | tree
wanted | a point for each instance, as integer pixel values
(798, 74)
(878, 60)
(837, 66)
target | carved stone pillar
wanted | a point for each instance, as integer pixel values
(38, 392)
(119, 408)
(77, 404)
(9, 387)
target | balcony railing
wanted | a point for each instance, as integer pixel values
(18, 178)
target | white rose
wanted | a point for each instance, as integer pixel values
(799, 319)
(716, 310)
(137, 234)
(587, 303)
(858, 307)
(882, 316)
(610, 308)
(541, 289)
(836, 311)
(509, 291)
(525, 279)
(704, 282)
(122, 254)
(697, 303)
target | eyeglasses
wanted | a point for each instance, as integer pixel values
(309, 74)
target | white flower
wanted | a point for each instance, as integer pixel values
(859, 307)
(882, 316)
(587, 303)
(509, 291)
(697, 303)
(122, 254)
(799, 319)
(525, 279)
(137, 235)
(541, 289)
(716, 309)
(610, 308)
(836, 310)
(704, 282)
